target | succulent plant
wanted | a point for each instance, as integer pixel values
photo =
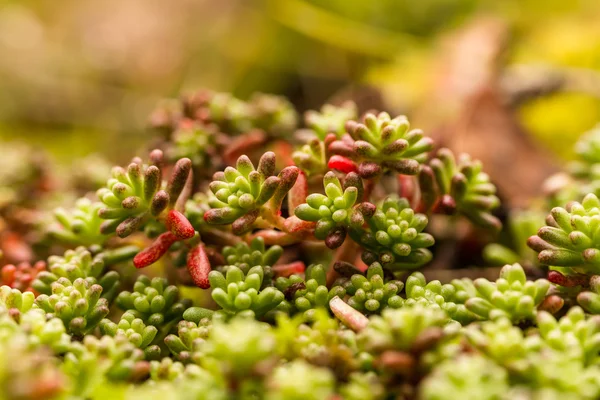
(460, 186)
(77, 303)
(79, 263)
(380, 142)
(242, 193)
(79, 226)
(396, 238)
(371, 293)
(236, 292)
(308, 293)
(569, 239)
(154, 301)
(300, 380)
(467, 377)
(265, 326)
(246, 256)
(334, 212)
(510, 296)
(134, 196)
(330, 119)
(136, 331)
(434, 294)
(573, 334)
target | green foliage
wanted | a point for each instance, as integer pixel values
(400, 329)
(334, 212)
(461, 187)
(380, 142)
(467, 377)
(79, 263)
(265, 327)
(309, 293)
(570, 238)
(134, 196)
(330, 119)
(299, 380)
(77, 303)
(79, 226)
(434, 294)
(371, 293)
(396, 238)
(246, 256)
(236, 292)
(135, 330)
(154, 301)
(510, 296)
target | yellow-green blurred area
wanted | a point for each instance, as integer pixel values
(82, 76)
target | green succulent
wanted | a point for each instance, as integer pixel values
(246, 256)
(273, 114)
(42, 331)
(461, 187)
(363, 386)
(237, 348)
(79, 226)
(241, 193)
(571, 238)
(166, 369)
(512, 295)
(194, 141)
(371, 293)
(236, 292)
(323, 343)
(79, 263)
(503, 343)
(299, 380)
(572, 334)
(396, 238)
(133, 197)
(136, 331)
(97, 360)
(589, 299)
(154, 301)
(309, 293)
(191, 332)
(311, 157)
(11, 298)
(468, 377)
(448, 297)
(330, 119)
(381, 143)
(400, 329)
(77, 303)
(334, 212)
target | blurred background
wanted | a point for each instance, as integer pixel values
(78, 77)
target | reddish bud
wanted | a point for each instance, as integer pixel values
(286, 270)
(342, 163)
(179, 225)
(198, 266)
(567, 281)
(155, 251)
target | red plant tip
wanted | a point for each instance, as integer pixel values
(155, 251)
(179, 225)
(287, 270)
(198, 266)
(342, 163)
(567, 281)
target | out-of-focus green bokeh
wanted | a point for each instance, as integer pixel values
(82, 76)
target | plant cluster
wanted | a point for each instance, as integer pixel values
(257, 256)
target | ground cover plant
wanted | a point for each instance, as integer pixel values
(253, 253)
